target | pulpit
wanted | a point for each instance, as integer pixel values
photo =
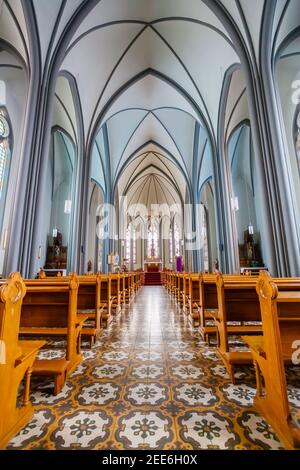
(152, 265)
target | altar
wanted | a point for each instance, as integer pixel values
(152, 265)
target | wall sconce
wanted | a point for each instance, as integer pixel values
(251, 230)
(54, 233)
(235, 204)
(68, 206)
(4, 239)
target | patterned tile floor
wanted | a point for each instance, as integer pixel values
(148, 383)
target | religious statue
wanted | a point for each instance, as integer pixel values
(249, 245)
(57, 240)
(217, 270)
(124, 265)
(57, 244)
(89, 266)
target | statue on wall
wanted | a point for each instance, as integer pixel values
(217, 270)
(249, 245)
(89, 266)
(57, 243)
(57, 240)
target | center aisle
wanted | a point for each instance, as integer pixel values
(149, 382)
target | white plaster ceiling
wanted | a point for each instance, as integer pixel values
(151, 178)
(148, 69)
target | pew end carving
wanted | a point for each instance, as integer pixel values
(280, 312)
(17, 358)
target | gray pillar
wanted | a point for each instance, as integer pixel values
(281, 190)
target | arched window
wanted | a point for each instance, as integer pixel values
(128, 244)
(134, 257)
(204, 237)
(177, 239)
(297, 135)
(171, 246)
(5, 153)
(153, 238)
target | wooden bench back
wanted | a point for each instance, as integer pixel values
(186, 283)
(237, 299)
(50, 303)
(52, 306)
(115, 285)
(208, 291)
(89, 292)
(105, 290)
(195, 287)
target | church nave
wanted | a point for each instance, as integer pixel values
(148, 383)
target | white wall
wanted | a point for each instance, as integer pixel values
(95, 198)
(14, 100)
(287, 72)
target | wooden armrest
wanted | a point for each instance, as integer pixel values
(256, 343)
(27, 349)
(81, 318)
(211, 313)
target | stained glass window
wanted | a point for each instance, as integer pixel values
(128, 244)
(134, 255)
(171, 246)
(177, 239)
(204, 237)
(153, 238)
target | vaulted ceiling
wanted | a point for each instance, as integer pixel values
(150, 74)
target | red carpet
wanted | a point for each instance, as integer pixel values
(152, 279)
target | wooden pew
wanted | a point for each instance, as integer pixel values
(132, 291)
(50, 309)
(141, 279)
(186, 293)
(238, 302)
(88, 303)
(167, 283)
(127, 288)
(115, 293)
(180, 289)
(122, 288)
(16, 360)
(280, 313)
(105, 300)
(171, 283)
(208, 303)
(136, 277)
(194, 296)
(175, 284)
